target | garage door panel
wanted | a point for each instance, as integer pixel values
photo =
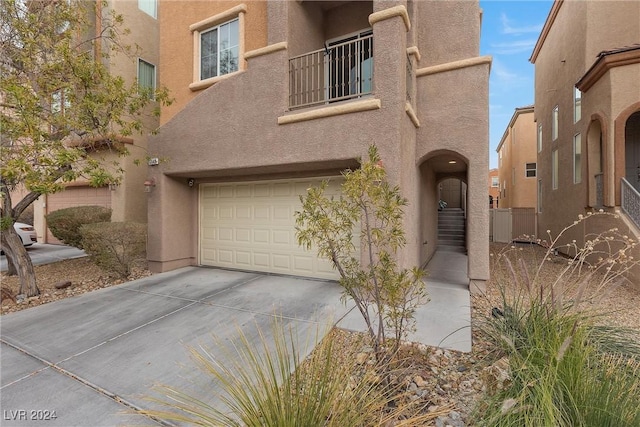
(252, 226)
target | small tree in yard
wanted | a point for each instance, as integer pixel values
(61, 111)
(385, 294)
(115, 246)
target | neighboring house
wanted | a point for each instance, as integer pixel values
(587, 110)
(517, 157)
(274, 96)
(127, 200)
(494, 189)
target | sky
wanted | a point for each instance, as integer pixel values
(510, 29)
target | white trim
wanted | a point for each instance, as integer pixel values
(218, 19)
(200, 27)
(266, 50)
(333, 110)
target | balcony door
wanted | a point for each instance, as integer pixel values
(349, 66)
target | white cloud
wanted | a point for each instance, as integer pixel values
(509, 28)
(504, 78)
(510, 48)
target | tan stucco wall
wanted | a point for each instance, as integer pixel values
(518, 147)
(176, 40)
(240, 138)
(581, 30)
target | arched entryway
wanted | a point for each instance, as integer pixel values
(632, 150)
(595, 166)
(443, 178)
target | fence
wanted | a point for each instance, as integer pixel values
(513, 224)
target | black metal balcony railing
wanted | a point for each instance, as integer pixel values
(337, 72)
(630, 201)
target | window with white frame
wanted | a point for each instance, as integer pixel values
(554, 170)
(150, 7)
(146, 78)
(530, 170)
(219, 50)
(577, 158)
(495, 181)
(554, 123)
(540, 137)
(577, 105)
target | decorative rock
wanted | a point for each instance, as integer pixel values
(361, 358)
(63, 284)
(420, 382)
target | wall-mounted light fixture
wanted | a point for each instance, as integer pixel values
(151, 182)
(191, 182)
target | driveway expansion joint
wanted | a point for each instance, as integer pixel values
(86, 383)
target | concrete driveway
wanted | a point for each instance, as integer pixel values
(92, 358)
(42, 253)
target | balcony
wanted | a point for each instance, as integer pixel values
(341, 70)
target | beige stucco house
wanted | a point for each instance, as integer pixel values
(517, 158)
(127, 200)
(274, 96)
(494, 188)
(587, 111)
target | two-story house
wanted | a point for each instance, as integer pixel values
(275, 96)
(517, 161)
(587, 111)
(126, 200)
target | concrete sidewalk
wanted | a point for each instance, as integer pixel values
(41, 253)
(445, 321)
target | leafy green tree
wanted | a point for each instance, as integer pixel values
(385, 294)
(64, 116)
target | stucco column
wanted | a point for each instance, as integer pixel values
(172, 222)
(478, 220)
(396, 145)
(277, 19)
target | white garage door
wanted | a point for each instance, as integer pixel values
(251, 226)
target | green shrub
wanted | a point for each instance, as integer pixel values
(65, 223)
(115, 246)
(565, 369)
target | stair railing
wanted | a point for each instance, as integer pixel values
(630, 201)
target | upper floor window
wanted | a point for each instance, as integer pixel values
(539, 138)
(554, 123)
(577, 105)
(218, 46)
(219, 49)
(150, 7)
(530, 170)
(146, 78)
(495, 181)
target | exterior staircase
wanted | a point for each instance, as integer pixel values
(451, 230)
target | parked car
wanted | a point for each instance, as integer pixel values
(26, 232)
